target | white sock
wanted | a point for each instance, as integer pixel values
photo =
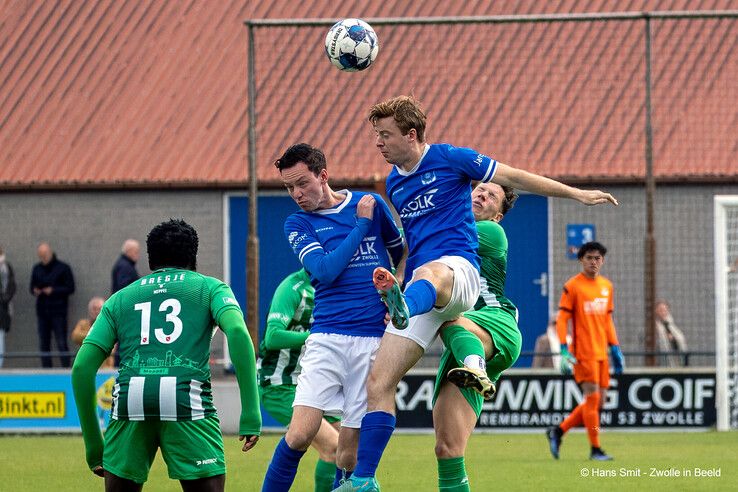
(475, 362)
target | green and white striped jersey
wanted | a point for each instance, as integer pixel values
(291, 310)
(493, 267)
(163, 324)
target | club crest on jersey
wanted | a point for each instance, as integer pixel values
(428, 178)
(419, 205)
(605, 292)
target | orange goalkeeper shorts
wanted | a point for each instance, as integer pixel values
(592, 371)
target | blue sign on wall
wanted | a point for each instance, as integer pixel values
(576, 235)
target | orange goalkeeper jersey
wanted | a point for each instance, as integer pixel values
(589, 304)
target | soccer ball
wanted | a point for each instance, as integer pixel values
(351, 45)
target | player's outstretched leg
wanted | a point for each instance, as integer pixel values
(468, 350)
(473, 378)
(553, 434)
(389, 289)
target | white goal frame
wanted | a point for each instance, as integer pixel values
(724, 400)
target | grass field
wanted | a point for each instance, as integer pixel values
(494, 462)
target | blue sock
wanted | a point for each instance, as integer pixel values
(420, 297)
(375, 433)
(283, 468)
(339, 476)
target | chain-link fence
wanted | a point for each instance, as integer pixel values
(561, 95)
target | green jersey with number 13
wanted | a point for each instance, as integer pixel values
(163, 323)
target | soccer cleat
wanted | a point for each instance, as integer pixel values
(358, 484)
(598, 454)
(476, 379)
(553, 434)
(389, 290)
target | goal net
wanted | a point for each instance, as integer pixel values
(726, 310)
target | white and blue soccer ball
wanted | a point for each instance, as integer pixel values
(351, 45)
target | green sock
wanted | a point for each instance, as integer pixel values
(462, 343)
(452, 475)
(325, 472)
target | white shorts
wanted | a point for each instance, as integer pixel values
(423, 328)
(333, 376)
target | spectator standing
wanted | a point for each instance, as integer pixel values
(7, 291)
(670, 337)
(52, 282)
(124, 270)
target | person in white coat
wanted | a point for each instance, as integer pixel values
(669, 337)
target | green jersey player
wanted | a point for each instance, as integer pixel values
(288, 326)
(479, 345)
(280, 351)
(162, 399)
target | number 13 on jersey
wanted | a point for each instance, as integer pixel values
(172, 308)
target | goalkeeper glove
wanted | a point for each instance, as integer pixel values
(566, 361)
(618, 361)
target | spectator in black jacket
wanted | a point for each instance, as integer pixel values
(52, 283)
(124, 270)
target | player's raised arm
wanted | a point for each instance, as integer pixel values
(326, 267)
(244, 361)
(541, 185)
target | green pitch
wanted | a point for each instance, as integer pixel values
(494, 462)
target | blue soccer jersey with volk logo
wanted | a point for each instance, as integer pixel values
(346, 301)
(434, 203)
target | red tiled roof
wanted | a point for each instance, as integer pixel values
(153, 93)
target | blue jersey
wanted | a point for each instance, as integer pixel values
(434, 203)
(340, 252)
